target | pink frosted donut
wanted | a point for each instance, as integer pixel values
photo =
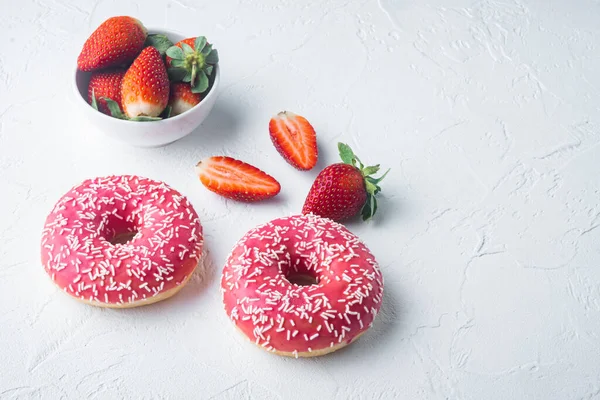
(121, 241)
(301, 286)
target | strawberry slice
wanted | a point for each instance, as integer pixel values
(236, 179)
(295, 139)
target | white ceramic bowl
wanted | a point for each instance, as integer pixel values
(147, 133)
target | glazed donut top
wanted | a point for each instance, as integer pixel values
(81, 256)
(287, 317)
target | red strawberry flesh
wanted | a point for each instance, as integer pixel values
(236, 179)
(295, 139)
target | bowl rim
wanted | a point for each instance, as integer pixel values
(211, 93)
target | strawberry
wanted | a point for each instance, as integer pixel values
(145, 87)
(105, 84)
(182, 99)
(116, 42)
(236, 180)
(295, 139)
(189, 41)
(343, 190)
(192, 60)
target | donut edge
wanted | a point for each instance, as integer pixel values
(305, 354)
(138, 303)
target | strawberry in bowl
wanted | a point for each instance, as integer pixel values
(124, 86)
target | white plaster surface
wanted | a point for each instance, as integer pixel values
(488, 113)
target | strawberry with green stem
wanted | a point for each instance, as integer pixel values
(192, 60)
(345, 189)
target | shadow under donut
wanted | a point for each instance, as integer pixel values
(202, 277)
(386, 327)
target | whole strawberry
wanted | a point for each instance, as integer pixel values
(145, 87)
(116, 42)
(182, 99)
(105, 84)
(192, 60)
(344, 190)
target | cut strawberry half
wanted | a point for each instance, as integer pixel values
(236, 179)
(295, 139)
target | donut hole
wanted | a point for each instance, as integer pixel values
(302, 278)
(299, 271)
(121, 231)
(123, 237)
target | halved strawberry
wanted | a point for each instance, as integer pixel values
(182, 99)
(116, 42)
(105, 84)
(295, 139)
(236, 179)
(145, 87)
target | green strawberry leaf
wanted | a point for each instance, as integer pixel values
(188, 76)
(374, 206)
(114, 108)
(208, 70)
(371, 188)
(201, 83)
(166, 112)
(369, 208)
(346, 154)
(187, 49)
(94, 102)
(158, 41)
(212, 57)
(199, 43)
(177, 63)
(207, 49)
(145, 118)
(377, 180)
(360, 164)
(176, 74)
(175, 53)
(370, 170)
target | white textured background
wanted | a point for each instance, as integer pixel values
(488, 113)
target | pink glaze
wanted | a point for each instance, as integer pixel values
(79, 257)
(285, 317)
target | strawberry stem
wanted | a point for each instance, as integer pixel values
(371, 184)
(193, 64)
(193, 79)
